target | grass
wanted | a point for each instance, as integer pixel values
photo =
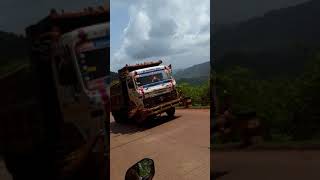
(6, 68)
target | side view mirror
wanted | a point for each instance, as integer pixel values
(142, 170)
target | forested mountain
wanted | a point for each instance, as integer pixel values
(13, 50)
(196, 74)
(277, 43)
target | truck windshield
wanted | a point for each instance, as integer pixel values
(152, 79)
(93, 62)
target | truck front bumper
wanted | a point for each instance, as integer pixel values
(162, 107)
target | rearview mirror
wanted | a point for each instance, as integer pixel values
(142, 170)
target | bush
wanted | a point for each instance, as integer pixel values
(199, 94)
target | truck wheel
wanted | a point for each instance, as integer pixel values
(119, 117)
(170, 112)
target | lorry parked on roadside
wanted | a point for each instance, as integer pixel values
(143, 91)
(55, 115)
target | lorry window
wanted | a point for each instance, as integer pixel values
(152, 78)
(93, 65)
(66, 71)
(130, 83)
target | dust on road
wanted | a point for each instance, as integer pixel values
(179, 147)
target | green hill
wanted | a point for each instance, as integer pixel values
(278, 43)
(13, 51)
(195, 75)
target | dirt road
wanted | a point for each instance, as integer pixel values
(266, 165)
(179, 147)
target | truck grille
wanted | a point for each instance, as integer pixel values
(156, 100)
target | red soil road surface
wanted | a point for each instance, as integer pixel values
(179, 147)
(266, 165)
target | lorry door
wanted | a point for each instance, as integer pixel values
(134, 100)
(124, 88)
(91, 60)
(74, 107)
(117, 99)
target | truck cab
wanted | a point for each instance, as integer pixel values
(144, 90)
(60, 125)
(80, 69)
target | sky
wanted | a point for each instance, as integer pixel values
(176, 31)
(15, 15)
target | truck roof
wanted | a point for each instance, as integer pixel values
(67, 21)
(150, 69)
(128, 68)
(91, 31)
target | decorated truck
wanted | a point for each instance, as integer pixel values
(144, 91)
(54, 115)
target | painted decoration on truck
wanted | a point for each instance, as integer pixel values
(91, 69)
(102, 42)
(87, 46)
(98, 43)
(149, 70)
(148, 73)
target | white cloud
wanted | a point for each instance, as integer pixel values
(176, 30)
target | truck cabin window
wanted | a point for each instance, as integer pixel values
(66, 72)
(152, 78)
(130, 83)
(93, 63)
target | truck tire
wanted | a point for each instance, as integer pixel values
(119, 116)
(170, 112)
